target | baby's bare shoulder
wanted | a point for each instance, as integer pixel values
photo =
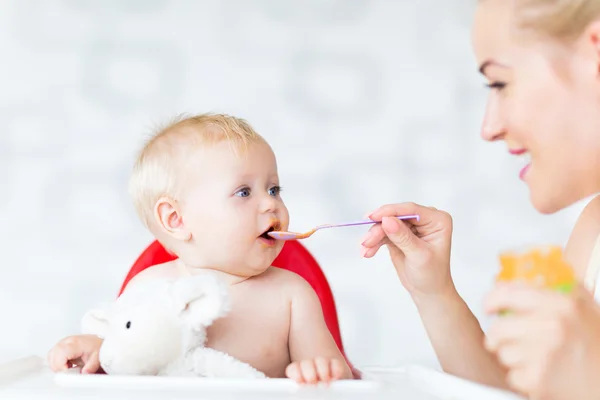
(160, 271)
(280, 275)
(289, 281)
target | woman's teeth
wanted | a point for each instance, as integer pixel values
(525, 159)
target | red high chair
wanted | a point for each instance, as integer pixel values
(293, 257)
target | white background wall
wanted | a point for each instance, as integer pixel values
(365, 102)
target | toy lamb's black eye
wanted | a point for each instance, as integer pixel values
(128, 324)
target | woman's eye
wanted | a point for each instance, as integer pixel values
(243, 192)
(496, 85)
(275, 191)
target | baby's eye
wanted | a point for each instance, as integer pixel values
(128, 325)
(275, 191)
(243, 192)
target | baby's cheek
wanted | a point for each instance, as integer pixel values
(237, 251)
(211, 242)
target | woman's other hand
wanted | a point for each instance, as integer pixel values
(549, 342)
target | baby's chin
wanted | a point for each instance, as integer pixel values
(254, 270)
(245, 270)
(243, 264)
(257, 272)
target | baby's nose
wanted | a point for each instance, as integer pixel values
(269, 204)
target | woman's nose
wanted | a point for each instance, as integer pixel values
(493, 127)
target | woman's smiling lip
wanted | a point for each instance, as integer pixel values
(524, 171)
(517, 152)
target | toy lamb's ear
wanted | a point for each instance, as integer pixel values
(95, 322)
(201, 299)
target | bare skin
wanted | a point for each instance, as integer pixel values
(277, 313)
(276, 321)
(543, 106)
(420, 254)
(583, 238)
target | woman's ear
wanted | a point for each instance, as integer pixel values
(169, 219)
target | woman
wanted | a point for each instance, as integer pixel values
(542, 61)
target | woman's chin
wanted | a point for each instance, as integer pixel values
(549, 202)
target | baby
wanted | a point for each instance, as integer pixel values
(207, 188)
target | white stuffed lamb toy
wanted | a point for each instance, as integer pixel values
(158, 327)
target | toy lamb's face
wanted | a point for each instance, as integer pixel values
(153, 324)
(141, 340)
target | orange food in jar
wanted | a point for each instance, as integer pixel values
(540, 267)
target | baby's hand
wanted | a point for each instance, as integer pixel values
(314, 371)
(75, 349)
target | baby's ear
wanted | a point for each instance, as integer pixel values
(201, 299)
(95, 322)
(168, 216)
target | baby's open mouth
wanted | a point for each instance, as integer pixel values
(274, 227)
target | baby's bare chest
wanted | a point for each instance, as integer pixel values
(256, 330)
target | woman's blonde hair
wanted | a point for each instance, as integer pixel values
(561, 19)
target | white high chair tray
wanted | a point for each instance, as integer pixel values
(73, 378)
(30, 378)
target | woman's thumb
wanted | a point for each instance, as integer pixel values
(400, 234)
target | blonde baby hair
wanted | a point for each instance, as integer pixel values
(158, 169)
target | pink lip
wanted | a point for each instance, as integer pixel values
(524, 172)
(517, 152)
(268, 242)
(275, 224)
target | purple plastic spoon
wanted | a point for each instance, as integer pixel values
(283, 235)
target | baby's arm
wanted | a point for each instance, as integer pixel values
(314, 354)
